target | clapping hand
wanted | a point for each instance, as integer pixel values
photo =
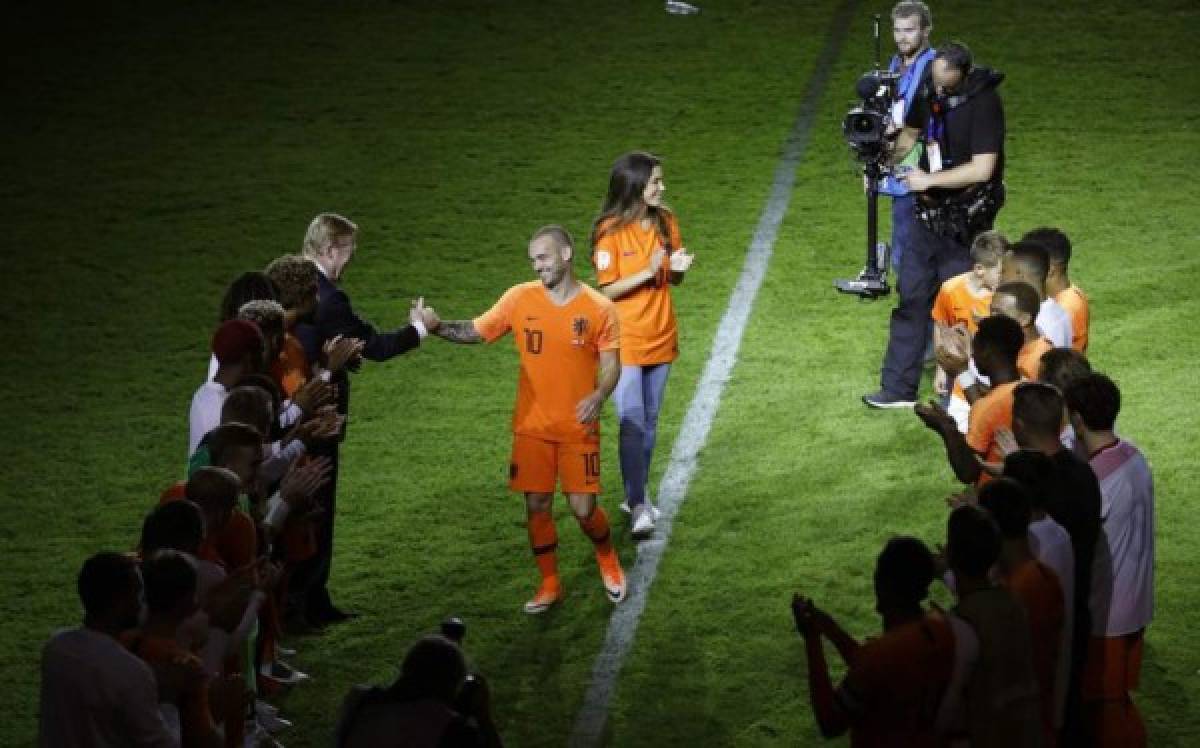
(314, 395)
(302, 482)
(341, 352)
(805, 613)
(953, 348)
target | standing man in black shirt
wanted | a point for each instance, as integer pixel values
(1073, 500)
(959, 187)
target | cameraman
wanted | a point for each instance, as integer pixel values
(912, 23)
(434, 702)
(960, 190)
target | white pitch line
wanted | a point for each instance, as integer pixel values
(622, 625)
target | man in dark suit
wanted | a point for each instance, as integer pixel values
(330, 243)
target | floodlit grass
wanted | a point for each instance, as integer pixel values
(155, 152)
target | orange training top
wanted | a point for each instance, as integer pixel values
(956, 303)
(896, 684)
(648, 330)
(1029, 358)
(560, 349)
(1075, 301)
(1038, 590)
(291, 369)
(991, 412)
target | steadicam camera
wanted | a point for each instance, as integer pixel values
(866, 130)
(866, 125)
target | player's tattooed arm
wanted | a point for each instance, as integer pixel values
(458, 331)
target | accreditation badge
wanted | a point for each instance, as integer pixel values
(898, 113)
(933, 154)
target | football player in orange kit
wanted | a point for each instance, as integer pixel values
(568, 339)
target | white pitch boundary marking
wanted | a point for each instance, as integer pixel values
(672, 491)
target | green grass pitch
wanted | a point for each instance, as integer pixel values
(152, 151)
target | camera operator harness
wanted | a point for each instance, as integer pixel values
(959, 215)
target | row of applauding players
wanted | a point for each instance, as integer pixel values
(1049, 552)
(239, 554)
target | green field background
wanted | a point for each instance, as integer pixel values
(153, 151)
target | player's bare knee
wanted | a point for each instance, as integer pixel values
(539, 502)
(582, 504)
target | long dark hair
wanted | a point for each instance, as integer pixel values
(250, 286)
(624, 202)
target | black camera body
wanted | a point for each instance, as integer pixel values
(866, 126)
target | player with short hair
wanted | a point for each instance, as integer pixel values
(1019, 300)
(1122, 588)
(1030, 262)
(994, 348)
(238, 347)
(966, 298)
(569, 343)
(1059, 286)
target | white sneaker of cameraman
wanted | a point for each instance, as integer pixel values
(644, 515)
(653, 509)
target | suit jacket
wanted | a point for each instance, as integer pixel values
(335, 316)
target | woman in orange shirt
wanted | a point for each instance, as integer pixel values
(638, 255)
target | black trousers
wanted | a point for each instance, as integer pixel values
(927, 261)
(308, 589)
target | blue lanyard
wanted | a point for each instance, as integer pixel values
(910, 79)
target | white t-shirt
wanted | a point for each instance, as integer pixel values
(1055, 323)
(205, 414)
(1051, 545)
(1122, 599)
(97, 693)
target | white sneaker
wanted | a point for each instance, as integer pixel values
(653, 509)
(284, 673)
(643, 521)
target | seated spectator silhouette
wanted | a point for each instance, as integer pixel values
(904, 686)
(94, 691)
(423, 707)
